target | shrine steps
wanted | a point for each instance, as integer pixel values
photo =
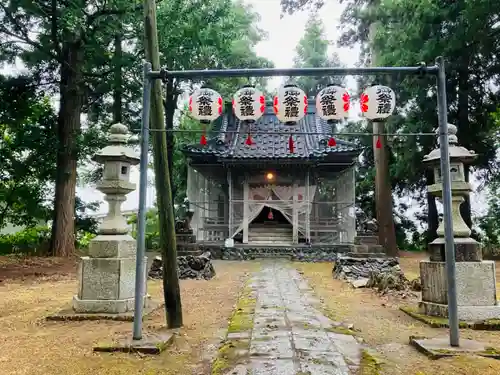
(270, 234)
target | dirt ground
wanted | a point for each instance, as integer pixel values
(34, 288)
(386, 329)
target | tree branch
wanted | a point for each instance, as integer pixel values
(23, 37)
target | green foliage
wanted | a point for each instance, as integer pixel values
(312, 52)
(27, 160)
(152, 229)
(83, 239)
(210, 34)
(30, 241)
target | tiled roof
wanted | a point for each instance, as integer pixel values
(229, 142)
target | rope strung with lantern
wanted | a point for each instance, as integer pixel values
(206, 106)
(377, 103)
(249, 104)
(332, 105)
(290, 106)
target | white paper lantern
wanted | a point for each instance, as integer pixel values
(205, 104)
(290, 105)
(332, 103)
(249, 104)
(378, 102)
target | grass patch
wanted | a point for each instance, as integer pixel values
(242, 318)
(341, 330)
(230, 354)
(370, 364)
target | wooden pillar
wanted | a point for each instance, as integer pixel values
(307, 204)
(230, 202)
(246, 210)
(295, 216)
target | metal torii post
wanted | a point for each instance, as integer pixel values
(438, 70)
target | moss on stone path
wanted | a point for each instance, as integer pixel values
(235, 349)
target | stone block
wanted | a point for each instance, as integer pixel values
(369, 249)
(112, 246)
(466, 250)
(106, 278)
(465, 313)
(366, 240)
(117, 306)
(475, 283)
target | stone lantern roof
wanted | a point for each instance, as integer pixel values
(117, 149)
(457, 153)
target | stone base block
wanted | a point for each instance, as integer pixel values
(369, 249)
(107, 278)
(149, 344)
(112, 246)
(366, 240)
(476, 283)
(70, 314)
(465, 313)
(105, 306)
(439, 347)
(466, 250)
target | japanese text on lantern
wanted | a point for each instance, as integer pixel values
(246, 102)
(205, 101)
(327, 101)
(291, 102)
(384, 100)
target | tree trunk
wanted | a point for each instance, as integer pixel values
(463, 127)
(465, 208)
(383, 193)
(168, 242)
(432, 213)
(383, 190)
(68, 128)
(118, 80)
(170, 104)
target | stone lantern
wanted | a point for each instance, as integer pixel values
(466, 249)
(475, 278)
(107, 276)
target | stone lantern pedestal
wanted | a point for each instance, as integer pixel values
(106, 278)
(475, 278)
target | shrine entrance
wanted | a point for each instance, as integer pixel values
(270, 227)
(269, 215)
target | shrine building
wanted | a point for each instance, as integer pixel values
(268, 184)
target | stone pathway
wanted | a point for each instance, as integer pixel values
(289, 335)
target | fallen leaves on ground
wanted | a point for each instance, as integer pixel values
(32, 346)
(387, 329)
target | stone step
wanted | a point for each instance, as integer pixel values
(364, 255)
(186, 253)
(271, 239)
(270, 230)
(271, 243)
(271, 255)
(270, 235)
(366, 240)
(368, 248)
